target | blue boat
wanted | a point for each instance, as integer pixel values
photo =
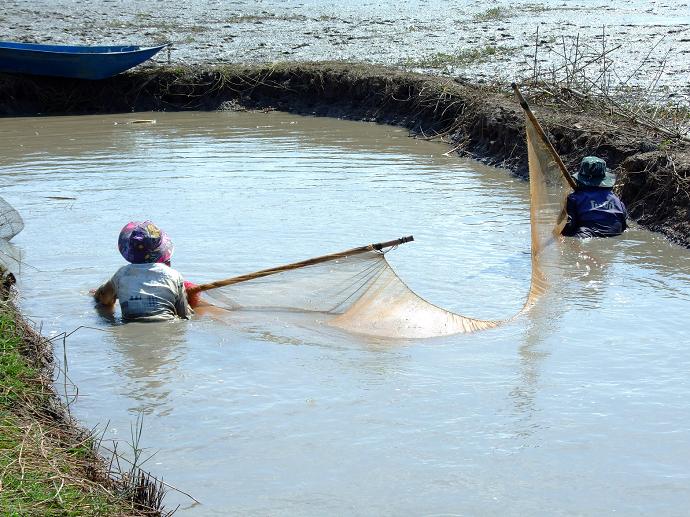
(81, 62)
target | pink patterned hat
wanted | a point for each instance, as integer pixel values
(141, 243)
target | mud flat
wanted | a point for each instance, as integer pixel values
(478, 121)
(645, 45)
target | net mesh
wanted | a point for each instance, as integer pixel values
(548, 191)
(362, 293)
(11, 258)
(11, 222)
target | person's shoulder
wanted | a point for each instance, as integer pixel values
(168, 271)
(597, 192)
(121, 271)
(614, 197)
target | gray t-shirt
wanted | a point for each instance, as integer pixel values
(150, 292)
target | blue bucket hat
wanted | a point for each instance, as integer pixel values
(594, 173)
(141, 243)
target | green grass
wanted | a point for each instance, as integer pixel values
(41, 474)
(15, 374)
(37, 493)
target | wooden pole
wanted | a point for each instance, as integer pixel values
(295, 265)
(542, 135)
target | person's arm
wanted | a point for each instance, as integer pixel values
(193, 299)
(106, 294)
(571, 225)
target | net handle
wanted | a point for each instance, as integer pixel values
(296, 265)
(542, 135)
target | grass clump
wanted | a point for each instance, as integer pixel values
(492, 14)
(33, 484)
(48, 465)
(265, 16)
(15, 373)
(38, 474)
(462, 58)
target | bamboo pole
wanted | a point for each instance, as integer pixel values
(295, 265)
(542, 135)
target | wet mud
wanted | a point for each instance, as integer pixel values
(646, 44)
(477, 121)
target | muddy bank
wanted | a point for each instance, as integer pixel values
(484, 123)
(477, 121)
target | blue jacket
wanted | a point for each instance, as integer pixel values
(594, 212)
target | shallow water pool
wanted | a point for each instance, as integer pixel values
(579, 407)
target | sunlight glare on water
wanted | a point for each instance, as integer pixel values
(580, 407)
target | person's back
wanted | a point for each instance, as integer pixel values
(148, 288)
(593, 209)
(149, 292)
(596, 212)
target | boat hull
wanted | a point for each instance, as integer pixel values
(79, 62)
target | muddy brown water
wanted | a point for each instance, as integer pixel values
(646, 43)
(579, 407)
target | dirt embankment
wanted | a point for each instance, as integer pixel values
(484, 123)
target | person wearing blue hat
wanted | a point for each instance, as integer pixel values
(148, 288)
(593, 209)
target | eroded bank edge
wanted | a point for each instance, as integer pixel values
(481, 122)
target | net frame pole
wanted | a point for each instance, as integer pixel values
(296, 265)
(542, 135)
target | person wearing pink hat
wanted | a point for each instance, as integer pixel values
(148, 288)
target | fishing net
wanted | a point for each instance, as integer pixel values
(362, 293)
(11, 258)
(548, 191)
(11, 222)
